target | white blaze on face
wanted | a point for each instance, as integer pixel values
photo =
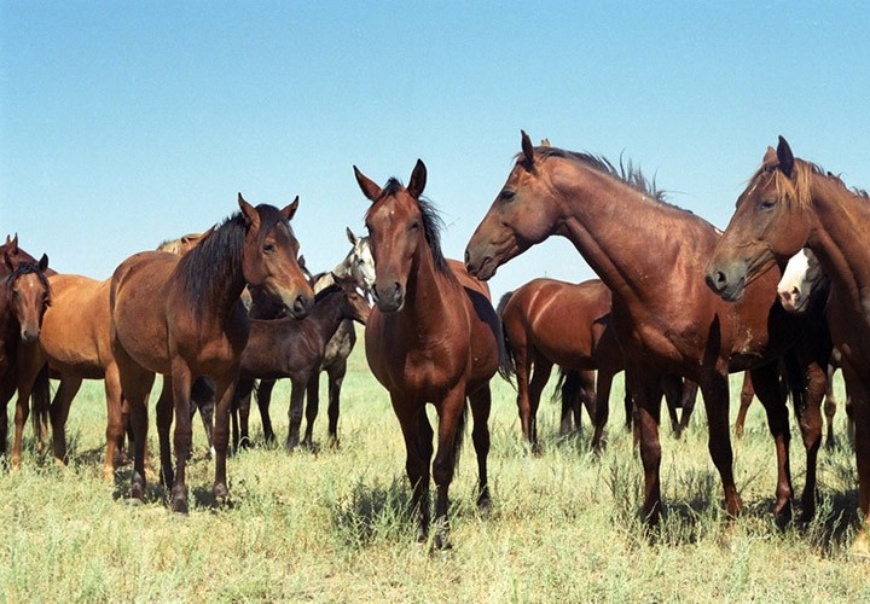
(794, 287)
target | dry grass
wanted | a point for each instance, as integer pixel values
(332, 526)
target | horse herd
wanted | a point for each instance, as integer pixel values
(678, 306)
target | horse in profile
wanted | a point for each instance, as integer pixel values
(667, 321)
(432, 337)
(547, 322)
(182, 316)
(24, 297)
(296, 349)
(790, 204)
(359, 265)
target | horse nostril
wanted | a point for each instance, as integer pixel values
(300, 305)
(467, 257)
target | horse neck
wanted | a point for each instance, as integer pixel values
(637, 245)
(221, 291)
(426, 293)
(328, 314)
(839, 225)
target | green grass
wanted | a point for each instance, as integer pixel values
(333, 526)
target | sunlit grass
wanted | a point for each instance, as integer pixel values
(333, 526)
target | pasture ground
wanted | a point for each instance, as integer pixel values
(331, 526)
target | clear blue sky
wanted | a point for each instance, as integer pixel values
(123, 124)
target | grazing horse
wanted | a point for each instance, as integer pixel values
(547, 322)
(433, 337)
(791, 204)
(296, 349)
(24, 297)
(667, 321)
(182, 316)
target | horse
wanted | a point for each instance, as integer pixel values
(25, 294)
(182, 316)
(547, 322)
(791, 204)
(432, 337)
(667, 321)
(296, 349)
(359, 265)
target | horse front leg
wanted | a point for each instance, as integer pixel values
(114, 420)
(858, 391)
(297, 394)
(165, 409)
(810, 422)
(312, 406)
(335, 376)
(645, 389)
(604, 381)
(182, 437)
(481, 405)
(417, 433)
(452, 413)
(224, 389)
(770, 393)
(714, 390)
(59, 413)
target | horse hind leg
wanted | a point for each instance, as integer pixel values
(202, 398)
(59, 413)
(481, 405)
(747, 393)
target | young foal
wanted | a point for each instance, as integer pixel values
(433, 337)
(286, 347)
(182, 316)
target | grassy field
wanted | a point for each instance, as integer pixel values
(331, 526)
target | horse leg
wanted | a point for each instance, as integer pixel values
(7, 389)
(59, 413)
(264, 397)
(543, 368)
(810, 422)
(766, 381)
(335, 375)
(297, 392)
(451, 425)
(522, 370)
(481, 405)
(224, 387)
(114, 420)
(747, 393)
(165, 408)
(22, 411)
(672, 389)
(242, 405)
(182, 437)
(136, 383)
(859, 393)
(714, 390)
(202, 394)
(830, 407)
(687, 403)
(645, 389)
(589, 399)
(602, 405)
(570, 394)
(312, 406)
(417, 432)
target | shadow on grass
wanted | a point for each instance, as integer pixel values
(368, 513)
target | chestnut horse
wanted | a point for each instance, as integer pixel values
(433, 337)
(791, 204)
(667, 321)
(287, 347)
(24, 297)
(547, 322)
(182, 316)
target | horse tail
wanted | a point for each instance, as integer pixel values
(506, 362)
(794, 379)
(41, 397)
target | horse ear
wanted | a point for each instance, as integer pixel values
(769, 157)
(350, 235)
(252, 218)
(368, 187)
(290, 211)
(418, 180)
(785, 157)
(528, 149)
(43, 263)
(13, 244)
(8, 261)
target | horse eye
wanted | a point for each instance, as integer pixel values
(269, 248)
(767, 204)
(415, 225)
(508, 195)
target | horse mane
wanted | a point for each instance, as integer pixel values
(502, 302)
(798, 189)
(626, 172)
(25, 268)
(219, 254)
(432, 224)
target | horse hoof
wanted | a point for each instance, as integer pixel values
(220, 490)
(442, 543)
(179, 505)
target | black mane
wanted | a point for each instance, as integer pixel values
(25, 268)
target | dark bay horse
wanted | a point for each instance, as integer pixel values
(182, 316)
(547, 322)
(433, 337)
(791, 204)
(652, 256)
(24, 297)
(296, 349)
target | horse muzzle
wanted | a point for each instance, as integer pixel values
(389, 298)
(727, 282)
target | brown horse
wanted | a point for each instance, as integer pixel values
(652, 256)
(790, 204)
(287, 347)
(433, 337)
(547, 322)
(24, 297)
(181, 316)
